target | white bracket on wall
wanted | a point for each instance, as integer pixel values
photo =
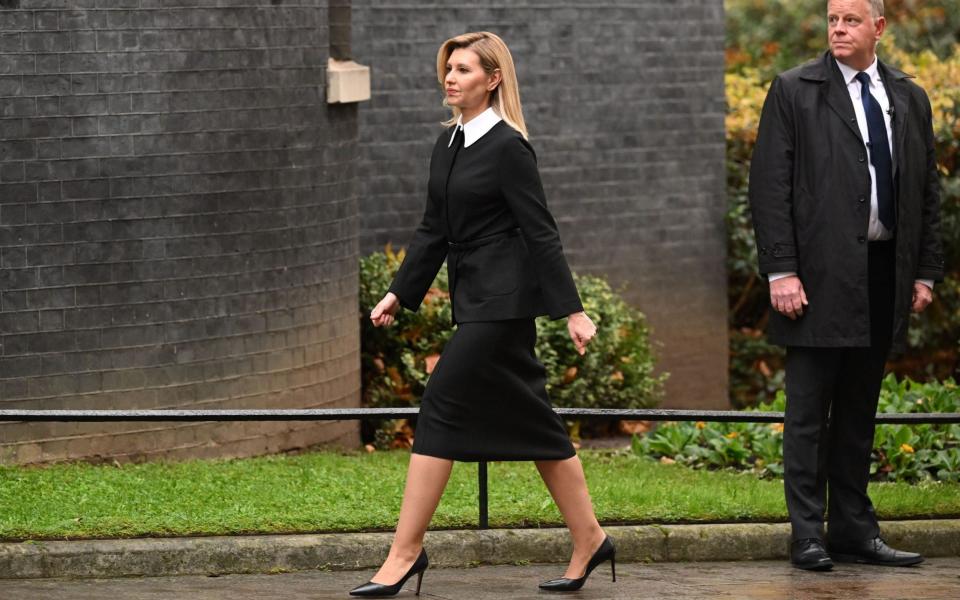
(347, 81)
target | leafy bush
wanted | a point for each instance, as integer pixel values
(618, 369)
(756, 368)
(775, 35)
(616, 372)
(901, 452)
(915, 452)
(393, 359)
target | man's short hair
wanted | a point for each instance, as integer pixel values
(876, 7)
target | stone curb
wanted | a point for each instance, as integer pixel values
(345, 551)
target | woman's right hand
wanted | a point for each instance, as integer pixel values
(382, 313)
(581, 330)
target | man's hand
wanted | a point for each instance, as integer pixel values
(382, 313)
(922, 296)
(787, 297)
(581, 330)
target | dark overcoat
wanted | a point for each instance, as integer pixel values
(810, 199)
(487, 215)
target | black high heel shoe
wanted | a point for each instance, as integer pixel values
(604, 552)
(379, 589)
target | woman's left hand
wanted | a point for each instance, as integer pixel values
(581, 330)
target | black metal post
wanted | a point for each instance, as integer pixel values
(482, 474)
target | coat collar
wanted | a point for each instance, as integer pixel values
(825, 67)
(825, 71)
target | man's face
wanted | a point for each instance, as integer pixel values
(853, 32)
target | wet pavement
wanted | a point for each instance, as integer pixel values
(936, 578)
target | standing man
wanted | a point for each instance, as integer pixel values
(845, 201)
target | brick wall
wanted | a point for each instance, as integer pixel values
(178, 224)
(625, 103)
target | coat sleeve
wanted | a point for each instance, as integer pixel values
(425, 255)
(523, 192)
(771, 184)
(930, 265)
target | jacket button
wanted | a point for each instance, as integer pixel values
(862, 199)
(861, 158)
(861, 239)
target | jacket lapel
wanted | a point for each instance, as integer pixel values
(449, 155)
(445, 167)
(898, 92)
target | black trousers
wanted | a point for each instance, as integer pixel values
(832, 396)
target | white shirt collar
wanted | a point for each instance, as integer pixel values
(850, 74)
(476, 127)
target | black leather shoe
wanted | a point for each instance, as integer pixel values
(810, 554)
(606, 551)
(872, 552)
(379, 589)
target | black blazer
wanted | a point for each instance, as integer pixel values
(810, 199)
(487, 215)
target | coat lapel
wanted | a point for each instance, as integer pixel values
(835, 91)
(896, 86)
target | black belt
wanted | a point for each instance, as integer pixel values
(482, 241)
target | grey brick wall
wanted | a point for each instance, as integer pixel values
(624, 101)
(178, 224)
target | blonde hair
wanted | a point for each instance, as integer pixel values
(494, 54)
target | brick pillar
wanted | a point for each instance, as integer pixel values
(178, 225)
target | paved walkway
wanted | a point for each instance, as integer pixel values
(937, 578)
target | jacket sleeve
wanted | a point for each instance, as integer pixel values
(425, 255)
(523, 192)
(771, 185)
(930, 265)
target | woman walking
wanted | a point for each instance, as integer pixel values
(486, 399)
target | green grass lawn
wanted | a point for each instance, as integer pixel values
(349, 492)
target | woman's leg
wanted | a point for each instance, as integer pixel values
(568, 486)
(426, 478)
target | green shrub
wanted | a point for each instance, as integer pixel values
(393, 359)
(775, 35)
(618, 369)
(616, 372)
(756, 368)
(901, 452)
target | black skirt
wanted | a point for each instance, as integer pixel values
(486, 398)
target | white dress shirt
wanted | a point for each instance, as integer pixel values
(476, 127)
(875, 229)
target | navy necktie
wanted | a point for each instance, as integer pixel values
(879, 153)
